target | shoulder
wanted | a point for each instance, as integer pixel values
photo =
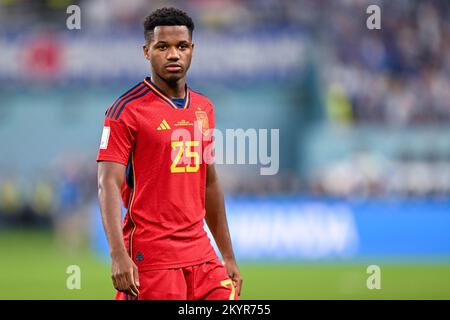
(125, 102)
(200, 98)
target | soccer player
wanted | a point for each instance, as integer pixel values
(154, 156)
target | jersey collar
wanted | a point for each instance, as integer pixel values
(165, 97)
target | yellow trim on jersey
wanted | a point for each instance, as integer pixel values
(166, 98)
(229, 284)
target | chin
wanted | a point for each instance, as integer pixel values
(173, 78)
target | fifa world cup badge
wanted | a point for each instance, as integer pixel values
(202, 121)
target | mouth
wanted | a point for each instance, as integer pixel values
(173, 67)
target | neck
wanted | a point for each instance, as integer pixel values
(175, 89)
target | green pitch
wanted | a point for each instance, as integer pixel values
(33, 267)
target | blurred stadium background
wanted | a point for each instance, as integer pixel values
(364, 119)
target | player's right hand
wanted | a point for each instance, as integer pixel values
(125, 275)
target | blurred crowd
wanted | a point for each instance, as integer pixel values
(365, 174)
(396, 76)
(58, 198)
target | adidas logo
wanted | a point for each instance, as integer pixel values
(163, 126)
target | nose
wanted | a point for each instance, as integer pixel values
(173, 54)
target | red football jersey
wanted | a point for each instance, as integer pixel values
(166, 150)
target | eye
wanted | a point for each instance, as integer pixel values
(182, 46)
(162, 47)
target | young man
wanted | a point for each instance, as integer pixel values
(154, 155)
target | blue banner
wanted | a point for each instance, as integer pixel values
(311, 229)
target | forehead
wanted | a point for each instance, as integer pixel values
(171, 34)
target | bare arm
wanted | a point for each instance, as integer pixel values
(217, 223)
(124, 272)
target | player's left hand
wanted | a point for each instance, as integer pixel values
(234, 274)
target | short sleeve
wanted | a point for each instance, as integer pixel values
(117, 140)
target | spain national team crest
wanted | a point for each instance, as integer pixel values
(202, 121)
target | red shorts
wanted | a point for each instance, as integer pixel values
(206, 281)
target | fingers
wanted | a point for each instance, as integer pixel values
(235, 276)
(132, 284)
(115, 283)
(237, 281)
(136, 276)
(239, 286)
(125, 282)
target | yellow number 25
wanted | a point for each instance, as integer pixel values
(185, 147)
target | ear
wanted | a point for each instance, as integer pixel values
(146, 54)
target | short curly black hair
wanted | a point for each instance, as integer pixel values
(166, 17)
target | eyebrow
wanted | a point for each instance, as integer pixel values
(165, 42)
